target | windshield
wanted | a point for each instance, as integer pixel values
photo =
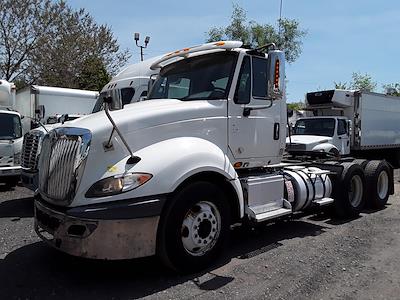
(10, 126)
(203, 77)
(319, 126)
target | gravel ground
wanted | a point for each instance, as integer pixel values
(310, 257)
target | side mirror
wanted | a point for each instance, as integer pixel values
(63, 118)
(150, 84)
(40, 112)
(276, 74)
(348, 127)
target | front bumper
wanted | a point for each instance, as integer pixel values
(101, 237)
(30, 180)
(10, 171)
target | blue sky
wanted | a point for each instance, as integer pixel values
(344, 36)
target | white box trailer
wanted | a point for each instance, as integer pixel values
(348, 122)
(41, 102)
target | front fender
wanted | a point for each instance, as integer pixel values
(171, 162)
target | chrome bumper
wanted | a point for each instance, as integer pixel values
(97, 238)
(10, 171)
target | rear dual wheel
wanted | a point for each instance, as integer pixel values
(349, 191)
(378, 178)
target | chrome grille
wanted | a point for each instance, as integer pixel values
(31, 150)
(294, 146)
(63, 152)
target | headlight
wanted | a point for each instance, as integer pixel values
(17, 158)
(117, 184)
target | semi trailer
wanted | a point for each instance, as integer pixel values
(169, 176)
(345, 122)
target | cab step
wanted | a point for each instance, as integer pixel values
(269, 215)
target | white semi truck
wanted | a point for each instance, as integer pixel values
(10, 135)
(169, 176)
(128, 86)
(344, 122)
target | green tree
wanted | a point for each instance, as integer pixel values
(363, 82)
(340, 85)
(288, 36)
(93, 76)
(295, 105)
(392, 89)
(61, 46)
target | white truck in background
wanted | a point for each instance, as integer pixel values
(38, 103)
(345, 122)
(11, 135)
(130, 85)
(170, 175)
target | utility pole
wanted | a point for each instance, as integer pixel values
(146, 41)
(280, 19)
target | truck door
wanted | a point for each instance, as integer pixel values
(343, 136)
(254, 134)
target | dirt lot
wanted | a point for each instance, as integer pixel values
(310, 257)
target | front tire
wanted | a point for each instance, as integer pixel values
(194, 227)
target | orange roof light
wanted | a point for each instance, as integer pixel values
(219, 44)
(276, 77)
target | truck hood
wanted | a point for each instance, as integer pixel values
(145, 124)
(308, 139)
(147, 114)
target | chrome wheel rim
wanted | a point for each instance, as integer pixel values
(382, 185)
(201, 228)
(356, 191)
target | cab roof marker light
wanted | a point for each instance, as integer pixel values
(227, 45)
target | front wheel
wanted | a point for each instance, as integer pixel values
(194, 227)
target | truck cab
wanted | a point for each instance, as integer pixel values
(10, 147)
(328, 134)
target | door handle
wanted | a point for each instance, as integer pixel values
(276, 131)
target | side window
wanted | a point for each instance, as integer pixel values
(260, 67)
(143, 95)
(342, 128)
(127, 95)
(178, 88)
(242, 94)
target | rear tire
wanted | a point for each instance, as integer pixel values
(194, 227)
(361, 162)
(349, 191)
(378, 178)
